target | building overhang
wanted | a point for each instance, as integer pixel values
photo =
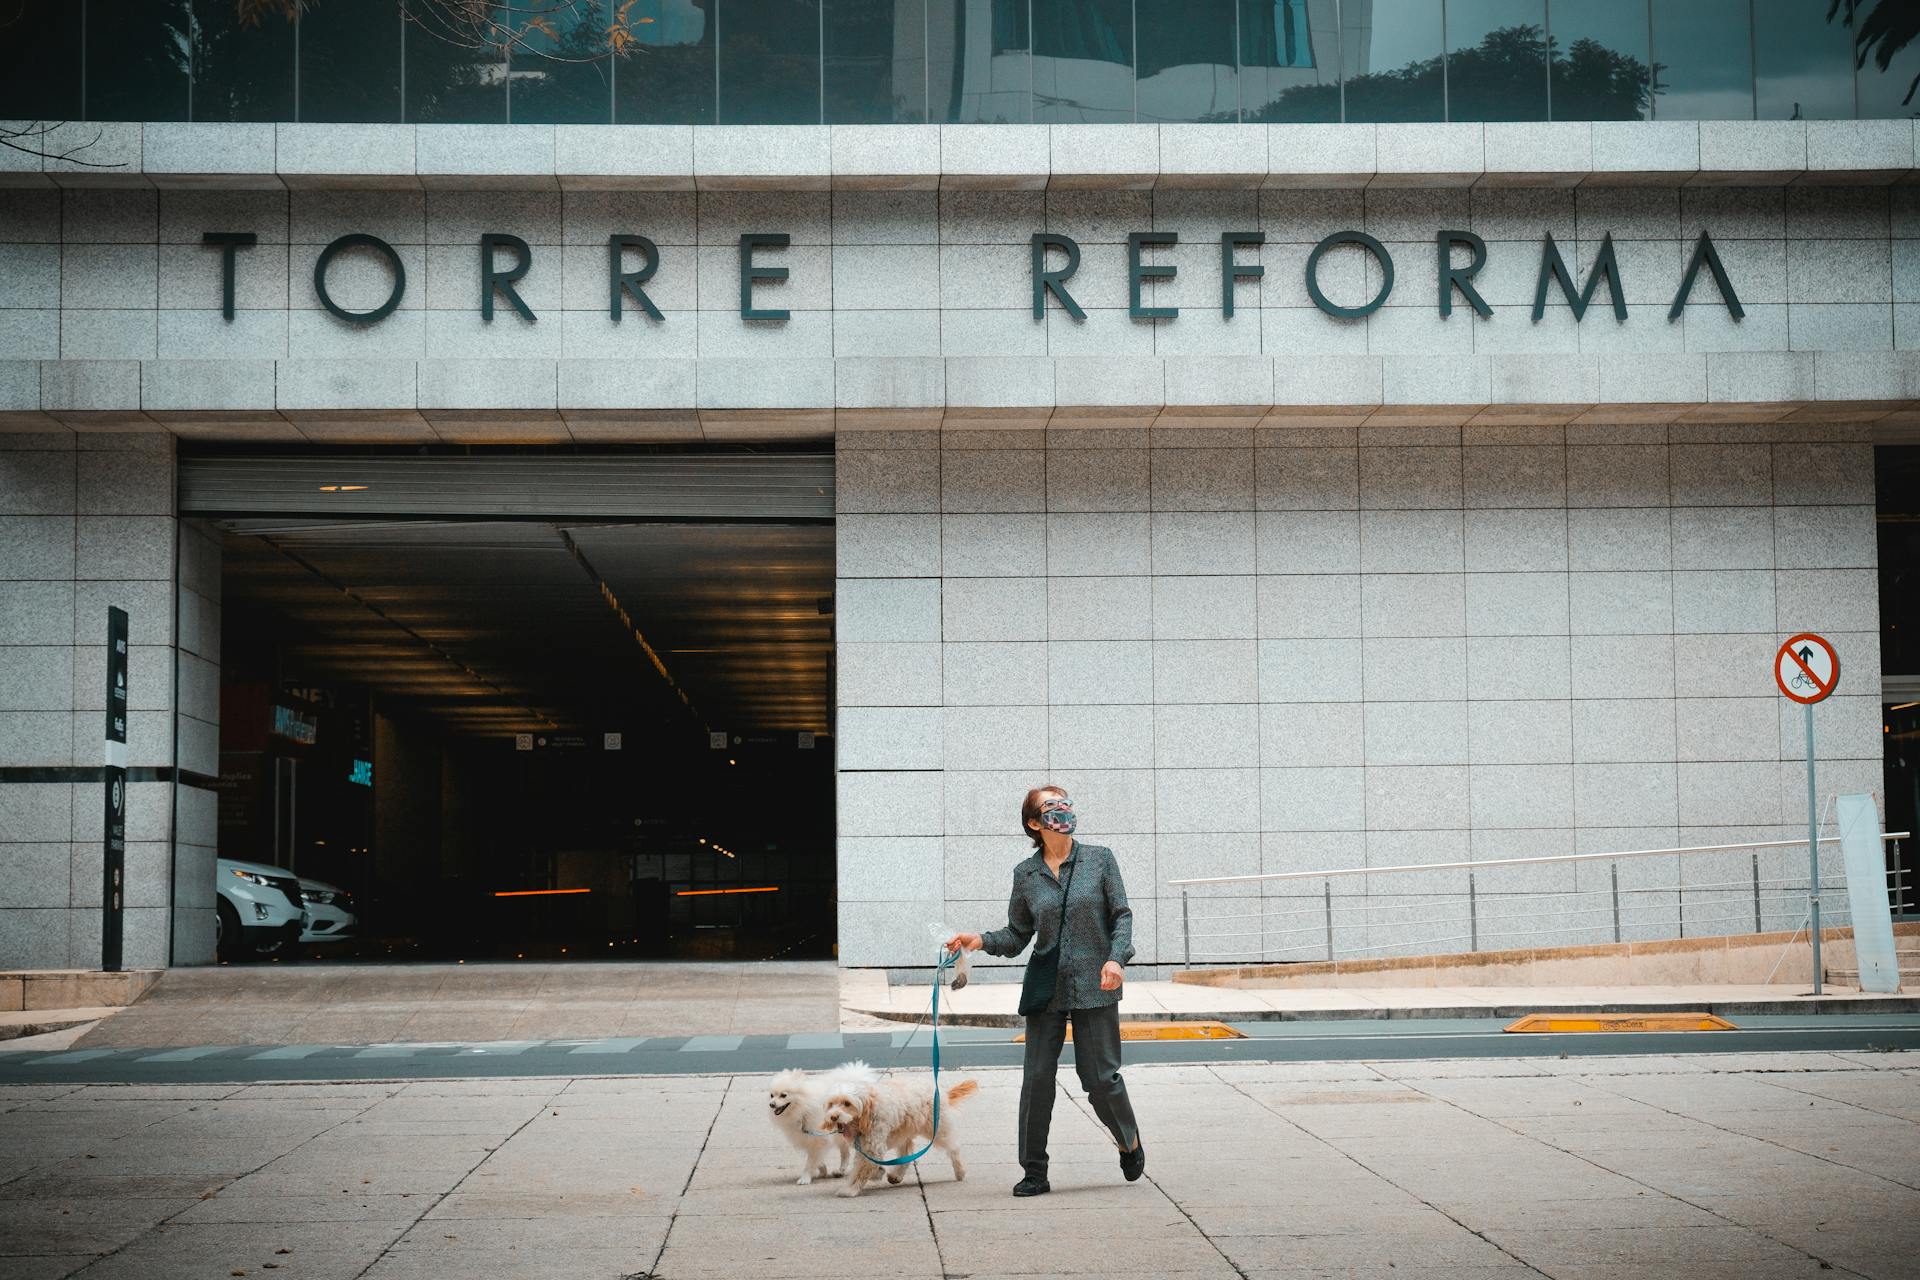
(927, 157)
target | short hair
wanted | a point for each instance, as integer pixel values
(1030, 810)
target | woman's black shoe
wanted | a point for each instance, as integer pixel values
(1134, 1163)
(1032, 1186)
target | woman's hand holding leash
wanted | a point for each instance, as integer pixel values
(1111, 976)
(964, 941)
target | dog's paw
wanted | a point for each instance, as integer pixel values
(803, 1180)
(838, 1173)
(849, 1191)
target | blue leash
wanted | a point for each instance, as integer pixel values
(946, 961)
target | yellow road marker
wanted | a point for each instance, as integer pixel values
(1622, 1022)
(1165, 1031)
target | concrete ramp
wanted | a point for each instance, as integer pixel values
(321, 1003)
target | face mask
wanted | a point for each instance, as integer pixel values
(1057, 815)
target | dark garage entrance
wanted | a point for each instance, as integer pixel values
(528, 705)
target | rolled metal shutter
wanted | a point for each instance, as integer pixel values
(779, 486)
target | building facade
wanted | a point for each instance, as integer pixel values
(1301, 495)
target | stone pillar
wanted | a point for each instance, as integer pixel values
(86, 522)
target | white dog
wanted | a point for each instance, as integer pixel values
(891, 1117)
(796, 1105)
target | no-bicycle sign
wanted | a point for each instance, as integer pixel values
(1806, 668)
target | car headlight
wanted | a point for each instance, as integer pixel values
(251, 878)
(322, 896)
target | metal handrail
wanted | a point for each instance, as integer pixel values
(1492, 863)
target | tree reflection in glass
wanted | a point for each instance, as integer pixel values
(666, 75)
(1290, 61)
(561, 68)
(1601, 60)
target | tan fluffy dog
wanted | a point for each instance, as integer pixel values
(892, 1117)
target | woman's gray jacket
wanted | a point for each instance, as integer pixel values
(1099, 923)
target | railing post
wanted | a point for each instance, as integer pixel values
(1186, 932)
(1613, 870)
(1681, 890)
(1327, 888)
(1756, 892)
(1473, 916)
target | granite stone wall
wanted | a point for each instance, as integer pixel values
(86, 522)
(1288, 643)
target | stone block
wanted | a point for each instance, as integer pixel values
(1617, 476)
(1415, 669)
(1204, 608)
(995, 674)
(1723, 537)
(1869, 152)
(1416, 797)
(992, 480)
(1531, 732)
(1516, 540)
(999, 382)
(647, 157)
(1623, 538)
(37, 483)
(1624, 795)
(887, 546)
(1102, 608)
(1109, 380)
(888, 334)
(1822, 473)
(889, 383)
(1311, 735)
(1103, 156)
(1536, 153)
(177, 151)
(1200, 379)
(1413, 604)
(1202, 480)
(107, 335)
(890, 738)
(510, 155)
(888, 673)
(1515, 476)
(991, 609)
(890, 480)
(1826, 537)
(1013, 157)
(1415, 733)
(1826, 600)
(1088, 672)
(1623, 730)
(883, 868)
(1303, 670)
(1321, 155)
(90, 385)
(304, 152)
(1210, 155)
(343, 384)
(1644, 151)
(1752, 153)
(1312, 541)
(1096, 543)
(1209, 542)
(1402, 478)
(1723, 601)
(1206, 736)
(749, 157)
(1639, 666)
(488, 384)
(37, 812)
(889, 804)
(888, 609)
(1729, 793)
(1100, 737)
(1621, 603)
(1411, 541)
(1516, 604)
(1521, 667)
(1430, 155)
(1329, 380)
(1205, 800)
(1320, 606)
(1307, 478)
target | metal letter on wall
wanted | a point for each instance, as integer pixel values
(358, 240)
(1231, 270)
(1378, 250)
(749, 272)
(1054, 282)
(492, 278)
(620, 282)
(113, 861)
(1452, 277)
(1704, 252)
(1554, 267)
(228, 242)
(1137, 273)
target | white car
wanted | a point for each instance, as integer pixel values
(329, 911)
(259, 909)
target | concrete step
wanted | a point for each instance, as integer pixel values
(1909, 977)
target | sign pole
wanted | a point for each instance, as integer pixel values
(1813, 854)
(113, 860)
(1806, 668)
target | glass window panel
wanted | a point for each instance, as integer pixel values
(1290, 61)
(1704, 52)
(876, 61)
(770, 62)
(979, 61)
(1186, 69)
(1890, 92)
(350, 62)
(1496, 59)
(242, 65)
(1082, 61)
(39, 60)
(564, 75)
(1390, 54)
(137, 59)
(456, 72)
(1602, 66)
(1802, 63)
(666, 75)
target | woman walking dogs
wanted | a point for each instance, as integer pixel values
(1069, 901)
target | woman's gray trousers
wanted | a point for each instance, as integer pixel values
(1096, 1056)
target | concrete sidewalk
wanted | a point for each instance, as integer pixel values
(868, 1000)
(1591, 1169)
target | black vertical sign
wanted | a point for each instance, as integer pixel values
(113, 862)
